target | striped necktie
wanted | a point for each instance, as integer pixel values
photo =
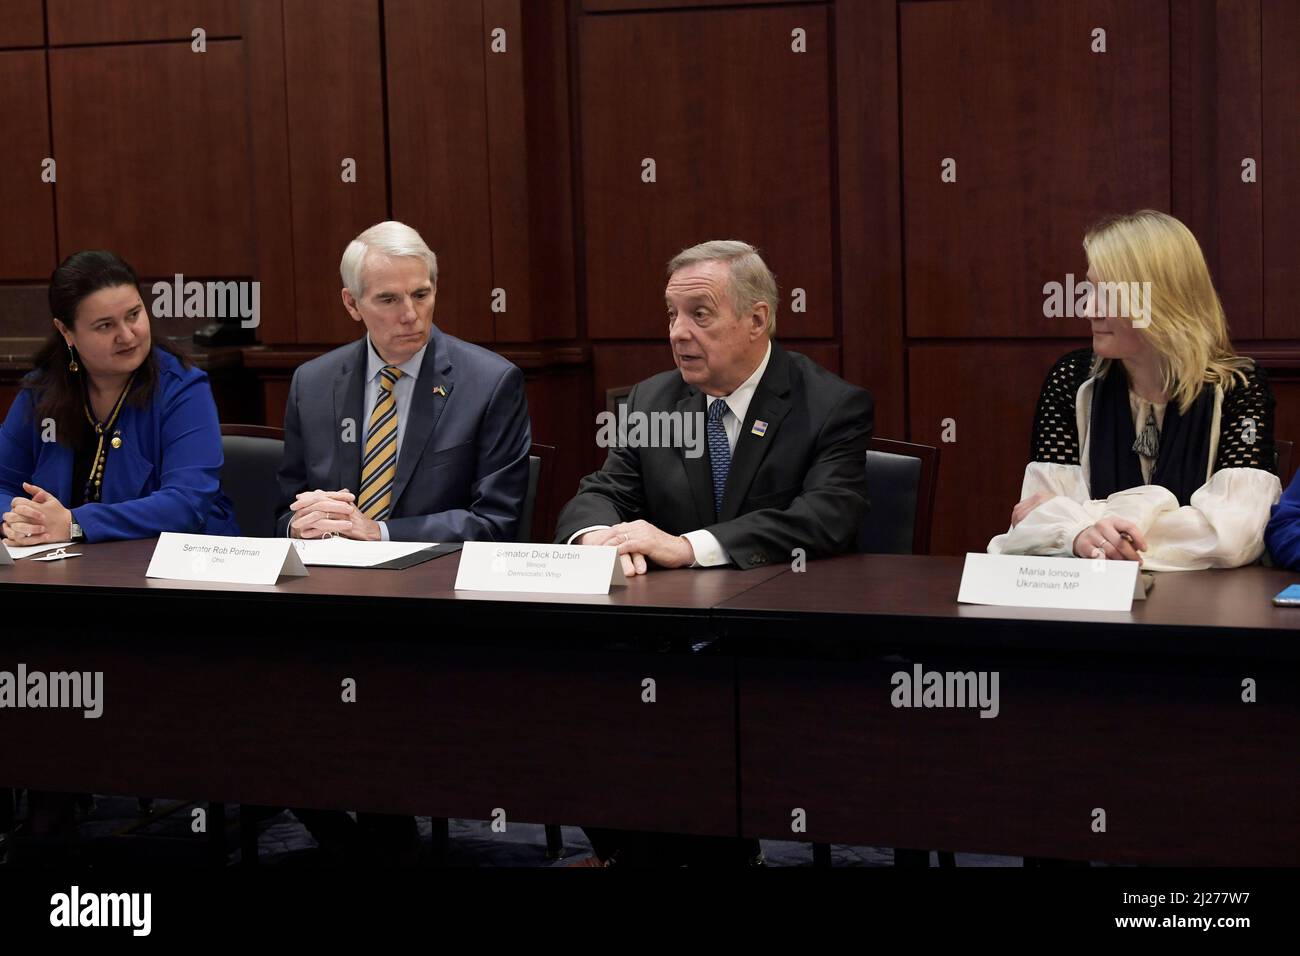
(719, 450)
(379, 464)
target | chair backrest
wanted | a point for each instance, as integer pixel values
(1282, 453)
(253, 455)
(615, 397)
(901, 479)
(534, 521)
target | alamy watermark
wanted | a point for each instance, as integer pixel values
(82, 690)
(1124, 300)
(77, 909)
(209, 300)
(630, 429)
(922, 688)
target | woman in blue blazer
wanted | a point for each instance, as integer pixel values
(114, 435)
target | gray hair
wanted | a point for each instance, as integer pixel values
(389, 239)
(752, 281)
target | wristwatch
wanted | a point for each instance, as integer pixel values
(77, 534)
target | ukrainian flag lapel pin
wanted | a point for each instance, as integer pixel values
(759, 429)
(440, 390)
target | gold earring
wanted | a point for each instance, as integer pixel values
(73, 367)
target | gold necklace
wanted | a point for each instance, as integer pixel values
(96, 477)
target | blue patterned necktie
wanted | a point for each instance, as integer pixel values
(719, 451)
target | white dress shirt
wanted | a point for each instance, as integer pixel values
(708, 550)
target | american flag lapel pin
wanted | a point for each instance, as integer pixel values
(440, 390)
(759, 429)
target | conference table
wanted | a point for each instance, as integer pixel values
(711, 701)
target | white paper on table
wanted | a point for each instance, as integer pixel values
(347, 553)
(19, 553)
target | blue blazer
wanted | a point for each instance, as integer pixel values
(1282, 535)
(462, 473)
(165, 477)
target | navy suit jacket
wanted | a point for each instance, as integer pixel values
(165, 477)
(462, 471)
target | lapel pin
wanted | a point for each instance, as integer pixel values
(440, 390)
(759, 429)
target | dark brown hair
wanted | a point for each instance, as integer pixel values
(58, 393)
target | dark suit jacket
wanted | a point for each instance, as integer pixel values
(800, 485)
(462, 472)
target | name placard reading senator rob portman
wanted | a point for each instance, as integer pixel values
(224, 560)
(1012, 580)
(539, 568)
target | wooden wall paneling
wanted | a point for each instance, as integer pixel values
(24, 311)
(117, 21)
(27, 247)
(23, 24)
(154, 164)
(549, 164)
(1286, 416)
(990, 391)
(438, 146)
(1047, 137)
(508, 156)
(1216, 123)
(275, 394)
(269, 184)
(869, 227)
(739, 128)
(1281, 172)
(336, 112)
(611, 6)
(554, 398)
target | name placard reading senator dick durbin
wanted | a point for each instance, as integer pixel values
(539, 568)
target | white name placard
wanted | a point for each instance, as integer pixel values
(1010, 580)
(539, 568)
(222, 560)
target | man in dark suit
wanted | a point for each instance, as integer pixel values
(785, 467)
(431, 432)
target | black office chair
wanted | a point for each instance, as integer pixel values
(532, 521)
(253, 455)
(901, 481)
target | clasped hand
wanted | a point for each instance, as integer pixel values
(40, 519)
(640, 541)
(318, 513)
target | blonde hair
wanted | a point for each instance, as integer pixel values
(1187, 325)
(752, 281)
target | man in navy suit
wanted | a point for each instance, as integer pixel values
(408, 434)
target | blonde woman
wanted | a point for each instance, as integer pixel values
(1155, 444)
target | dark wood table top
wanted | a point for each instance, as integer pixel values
(1221, 612)
(1229, 610)
(119, 567)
